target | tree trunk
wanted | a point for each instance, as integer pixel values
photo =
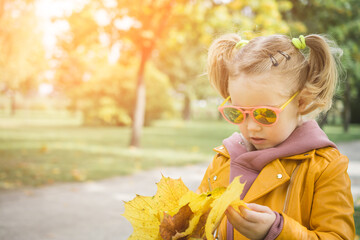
(139, 112)
(187, 108)
(12, 103)
(347, 107)
(147, 48)
(323, 120)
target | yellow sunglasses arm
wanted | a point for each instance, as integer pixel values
(227, 99)
(288, 101)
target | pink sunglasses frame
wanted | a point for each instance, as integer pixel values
(251, 110)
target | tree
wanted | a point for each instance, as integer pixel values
(150, 26)
(183, 54)
(340, 20)
(77, 52)
(102, 89)
(21, 50)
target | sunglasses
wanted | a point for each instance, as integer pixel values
(263, 115)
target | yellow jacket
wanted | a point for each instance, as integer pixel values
(311, 191)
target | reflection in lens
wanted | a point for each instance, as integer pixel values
(233, 114)
(265, 115)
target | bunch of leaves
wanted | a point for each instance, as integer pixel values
(175, 212)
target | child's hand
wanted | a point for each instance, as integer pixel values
(254, 223)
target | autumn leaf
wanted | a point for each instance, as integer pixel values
(78, 175)
(199, 231)
(141, 213)
(197, 201)
(221, 204)
(146, 213)
(176, 213)
(168, 194)
(201, 206)
(171, 225)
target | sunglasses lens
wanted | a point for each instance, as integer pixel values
(233, 115)
(265, 116)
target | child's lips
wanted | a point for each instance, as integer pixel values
(257, 140)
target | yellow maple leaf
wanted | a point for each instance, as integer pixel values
(232, 194)
(200, 205)
(141, 213)
(146, 213)
(197, 201)
(177, 213)
(169, 193)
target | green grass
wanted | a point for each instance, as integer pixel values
(336, 133)
(357, 219)
(33, 155)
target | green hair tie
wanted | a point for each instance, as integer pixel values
(241, 43)
(299, 43)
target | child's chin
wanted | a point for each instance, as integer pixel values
(262, 147)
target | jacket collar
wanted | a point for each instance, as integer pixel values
(272, 176)
(222, 150)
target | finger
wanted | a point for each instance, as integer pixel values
(235, 217)
(256, 217)
(259, 208)
(249, 215)
(238, 222)
(230, 211)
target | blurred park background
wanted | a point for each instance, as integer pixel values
(91, 89)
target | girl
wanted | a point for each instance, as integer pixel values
(296, 181)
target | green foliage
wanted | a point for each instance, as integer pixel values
(336, 133)
(357, 219)
(178, 33)
(105, 91)
(194, 25)
(339, 19)
(22, 55)
(158, 96)
(106, 112)
(107, 97)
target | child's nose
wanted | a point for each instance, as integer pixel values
(251, 124)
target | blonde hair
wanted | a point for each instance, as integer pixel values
(315, 72)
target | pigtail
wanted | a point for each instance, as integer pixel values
(220, 53)
(322, 74)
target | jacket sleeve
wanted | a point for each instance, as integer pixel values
(332, 207)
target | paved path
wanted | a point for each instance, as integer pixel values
(91, 211)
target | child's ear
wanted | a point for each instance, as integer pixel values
(304, 101)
